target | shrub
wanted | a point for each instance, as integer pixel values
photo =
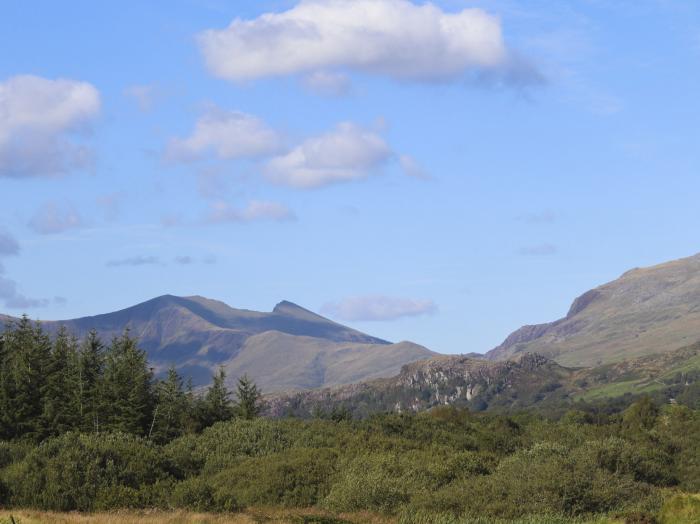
(193, 494)
(76, 472)
(296, 478)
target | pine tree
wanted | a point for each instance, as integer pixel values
(6, 385)
(90, 369)
(27, 351)
(127, 398)
(172, 409)
(249, 399)
(59, 414)
(217, 404)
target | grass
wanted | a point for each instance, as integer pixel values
(252, 516)
(651, 381)
(681, 509)
(617, 389)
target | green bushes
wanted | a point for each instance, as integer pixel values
(447, 466)
(85, 472)
(296, 478)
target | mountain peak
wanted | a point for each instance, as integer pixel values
(288, 308)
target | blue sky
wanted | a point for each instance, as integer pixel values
(439, 185)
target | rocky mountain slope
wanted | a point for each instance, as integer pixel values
(527, 380)
(287, 348)
(645, 311)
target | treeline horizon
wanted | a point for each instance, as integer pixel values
(53, 385)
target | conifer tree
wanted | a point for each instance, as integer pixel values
(217, 404)
(248, 405)
(59, 414)
(6, 386)
(127, 400)
(90, 369)
(172, 408)
(27, 350)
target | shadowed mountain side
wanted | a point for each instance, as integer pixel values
(643, 312)
(278, 361)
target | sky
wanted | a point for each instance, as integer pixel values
(437, 172)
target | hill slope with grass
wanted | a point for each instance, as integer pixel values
(645, 311)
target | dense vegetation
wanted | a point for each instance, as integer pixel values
(87, 428)
(50, 387)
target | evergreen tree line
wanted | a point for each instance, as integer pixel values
(51, 386)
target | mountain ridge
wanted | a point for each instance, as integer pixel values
(197, 335)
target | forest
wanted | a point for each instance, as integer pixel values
(86, 427)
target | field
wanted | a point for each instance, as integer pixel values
(251, 516)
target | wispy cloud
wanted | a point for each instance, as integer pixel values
(111, 204)
(134, 261)
(53, 218)
(377, 308)
(256, 210)
(8, 244)
(538, 217)
(9, 292)
(538, 250)
(412, 168)
(143, 95)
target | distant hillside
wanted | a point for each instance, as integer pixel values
(288, 348)
(527, 380)
(644, 311)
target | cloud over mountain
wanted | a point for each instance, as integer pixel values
(39, 119)
(393, 38)
(377, 308)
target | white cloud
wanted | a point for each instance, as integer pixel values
(346, 153)
(378, 307)
(394, 38)
(52, 218)
(227, 134)
(327, 83)
(221, 212)
(38, 119)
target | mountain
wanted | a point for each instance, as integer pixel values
(645, 311)
(288, 348)
(527, 380)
